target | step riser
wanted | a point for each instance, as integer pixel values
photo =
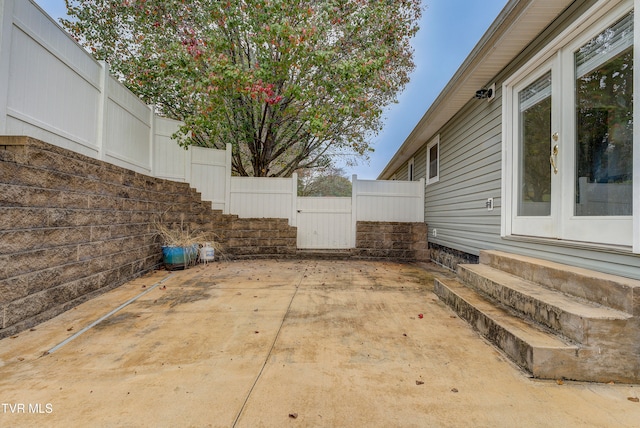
(520, 353)
(541, 363)
(568, 325)
(551, 317)
(599, 288)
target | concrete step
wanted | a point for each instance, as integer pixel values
(538, 351)
(580, 320)
(601, 288)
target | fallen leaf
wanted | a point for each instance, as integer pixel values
(634, 399)
(419, 382)
(560, 382)
(293, 415)
(454, 389)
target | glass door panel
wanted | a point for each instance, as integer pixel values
(533, 194)
(534, 103)
(601, 171)
(604, 123)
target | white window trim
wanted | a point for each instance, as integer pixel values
(586, 23)
(411, 170)
(434, 142)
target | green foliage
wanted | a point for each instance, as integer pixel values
(329, 181)
(291, 84)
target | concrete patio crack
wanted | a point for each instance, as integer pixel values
(273, 344)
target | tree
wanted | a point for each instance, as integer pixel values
(290, 83)
(328, 181)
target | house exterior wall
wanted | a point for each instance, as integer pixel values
(460, 225)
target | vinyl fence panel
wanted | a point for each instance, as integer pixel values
(260, 197)
(380, 200)
(209, 174)
(170, 161)
(127, 128)
(49, 86)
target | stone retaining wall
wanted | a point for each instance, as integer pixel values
(450, 258)
(72, 227)
(391, 240)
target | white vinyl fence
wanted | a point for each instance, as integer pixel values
(53, 90)
(255, 197)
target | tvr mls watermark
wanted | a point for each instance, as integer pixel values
(31, 408)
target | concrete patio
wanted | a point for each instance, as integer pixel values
(283, 343)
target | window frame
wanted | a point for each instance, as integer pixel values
(411, 170)
(434, 142)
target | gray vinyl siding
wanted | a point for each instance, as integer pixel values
(419, 166)
(403, 173)
(470, 172)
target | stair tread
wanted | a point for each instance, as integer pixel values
(569, 304)
(525, 331)
(575, 270)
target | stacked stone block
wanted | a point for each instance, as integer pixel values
(391, 240)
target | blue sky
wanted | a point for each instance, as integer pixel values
(449, 30)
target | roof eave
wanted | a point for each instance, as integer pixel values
(517, 25)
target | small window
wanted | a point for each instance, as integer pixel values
(410, 170)
(433, 160)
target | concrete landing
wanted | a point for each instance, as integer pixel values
(267, 343)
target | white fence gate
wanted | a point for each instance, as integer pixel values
(324, 222)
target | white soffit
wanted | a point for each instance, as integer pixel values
(517, 25)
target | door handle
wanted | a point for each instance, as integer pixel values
(554, 158)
